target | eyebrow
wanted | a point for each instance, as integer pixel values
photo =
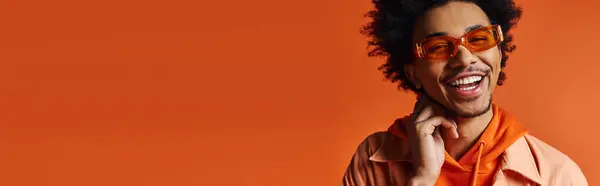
(468, 29)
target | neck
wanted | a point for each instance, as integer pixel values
(469, 131)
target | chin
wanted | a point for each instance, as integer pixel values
(472, 108)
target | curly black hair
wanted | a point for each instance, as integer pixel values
(390, 32)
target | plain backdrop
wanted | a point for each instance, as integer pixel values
(252, 93)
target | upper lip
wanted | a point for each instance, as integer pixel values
(464, 74)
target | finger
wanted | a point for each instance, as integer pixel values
(428, 126)
(423, 109)
(449, 125)
(425, 113)
(453, 129)
(436, 132)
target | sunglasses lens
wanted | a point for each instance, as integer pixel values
(482, 39)
(438, 48)
(476, 41)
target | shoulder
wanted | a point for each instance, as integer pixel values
(555, 165)
(383, 147)
(546, 153)
(370, 164)
(372, 142)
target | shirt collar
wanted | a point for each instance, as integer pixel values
(518, 157)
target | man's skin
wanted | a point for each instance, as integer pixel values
(446, 119)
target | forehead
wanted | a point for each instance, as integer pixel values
(452, 19)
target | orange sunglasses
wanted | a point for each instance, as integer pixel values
(444, 47)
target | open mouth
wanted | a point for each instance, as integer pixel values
(467, 83)
(467, 87)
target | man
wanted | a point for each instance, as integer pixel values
(451, 54)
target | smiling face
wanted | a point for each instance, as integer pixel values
(463, 83)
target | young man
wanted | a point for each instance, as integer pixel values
(451, 53)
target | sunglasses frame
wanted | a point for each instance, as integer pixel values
(460, 41)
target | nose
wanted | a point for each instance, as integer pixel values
(462, 58)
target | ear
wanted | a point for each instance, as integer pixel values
(410, 70)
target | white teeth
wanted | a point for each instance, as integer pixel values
(457, 82)
(468, 88)
(466, 80)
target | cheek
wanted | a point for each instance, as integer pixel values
(491, 58)
(430, 73)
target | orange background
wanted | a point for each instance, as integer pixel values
(253, 93)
